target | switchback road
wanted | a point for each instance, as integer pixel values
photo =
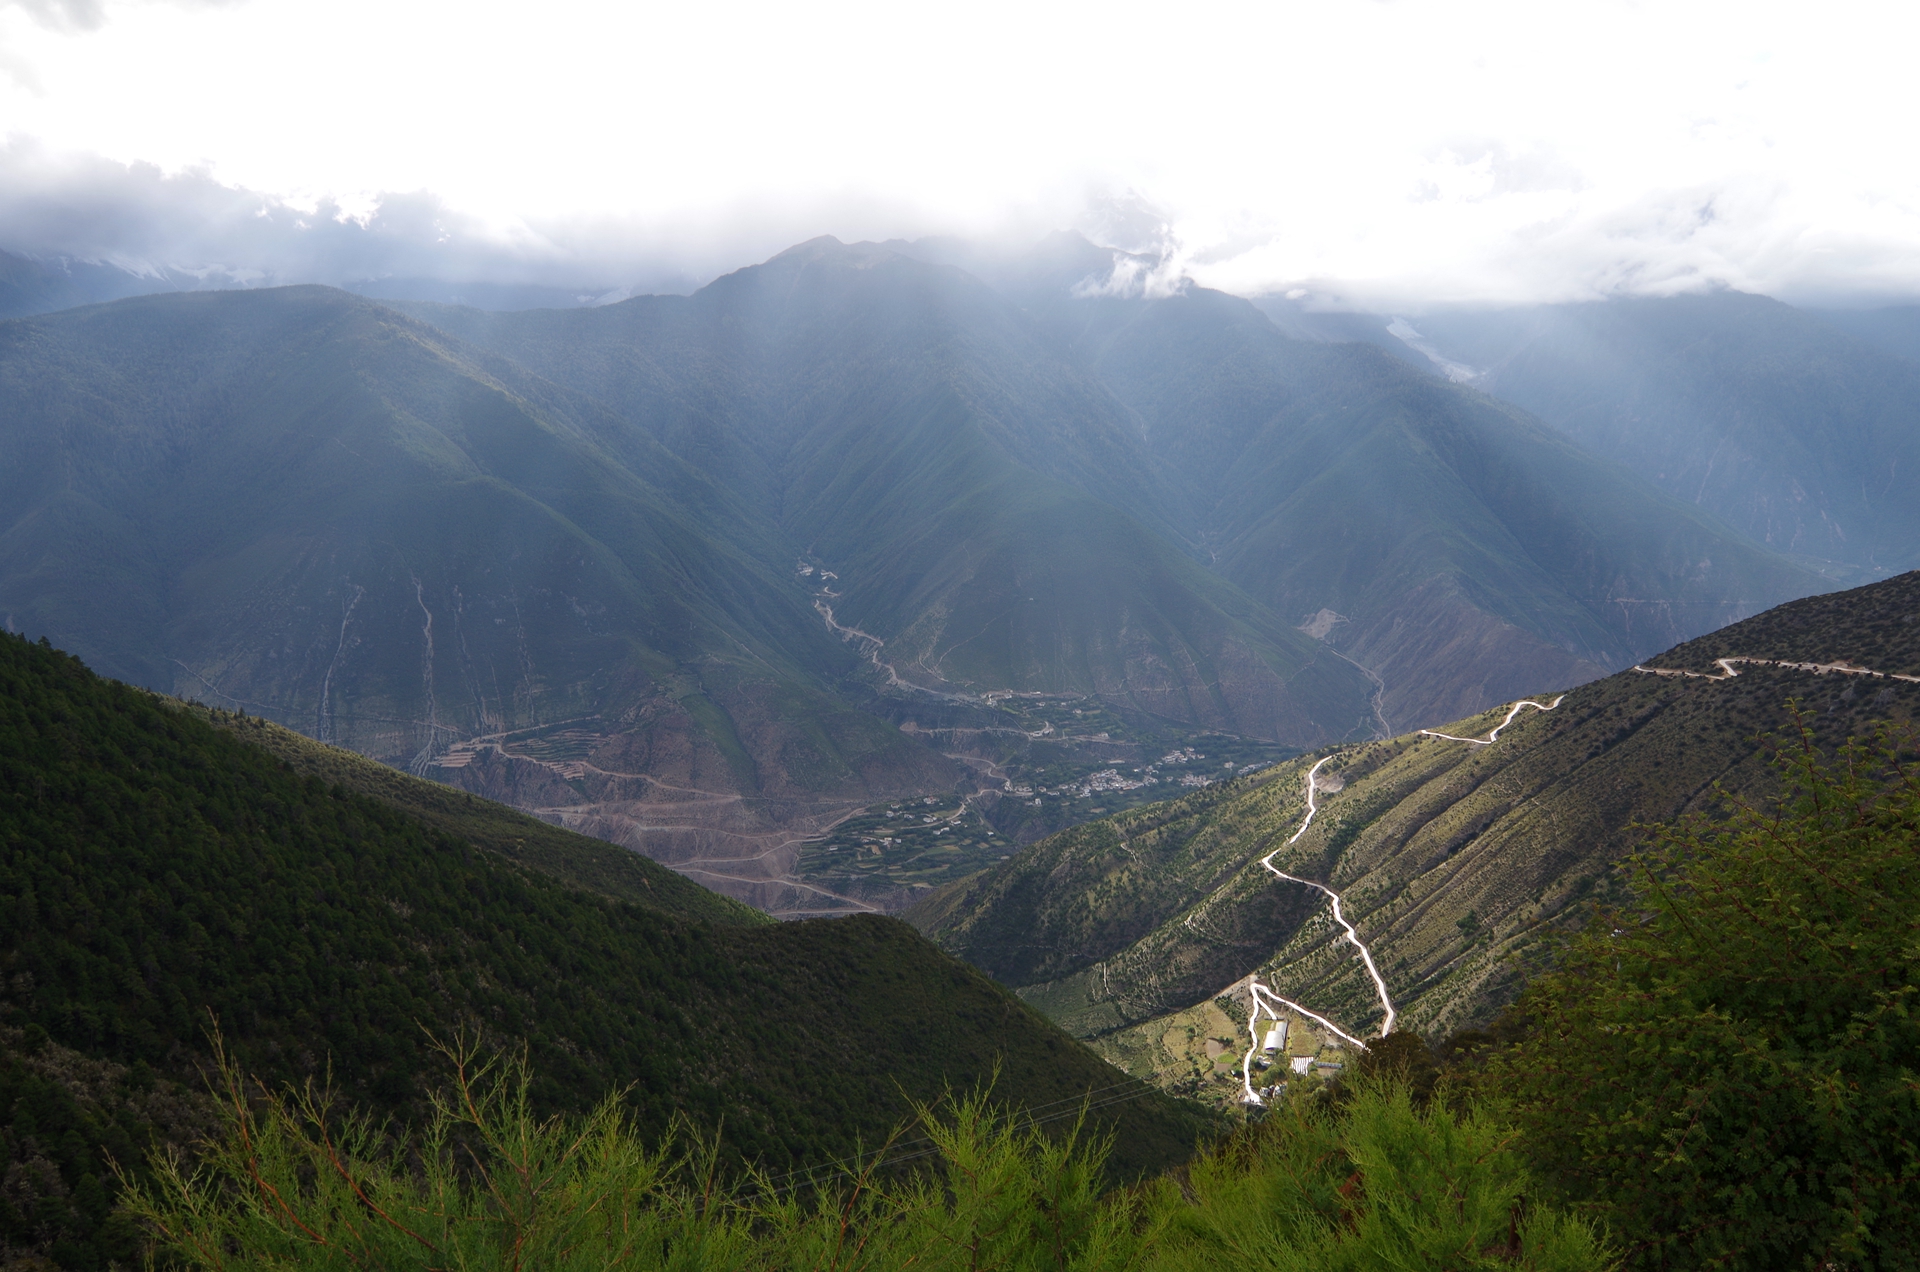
(1263, 996)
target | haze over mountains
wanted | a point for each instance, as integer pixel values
(705, 574)
(1283, 466)
(819, 585)
(304, 504)
(1797, 428)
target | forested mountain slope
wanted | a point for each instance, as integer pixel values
(581, 861)
(1447, 543)
(1894, 329)
(160, 874)
(1452, 858)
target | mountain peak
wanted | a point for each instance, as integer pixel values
(827, 248)
(812, 249)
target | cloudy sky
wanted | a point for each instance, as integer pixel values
(1400, 154)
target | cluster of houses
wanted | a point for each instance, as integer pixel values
(1273, 1048)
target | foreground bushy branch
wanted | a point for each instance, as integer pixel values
(296, 1184)
(1374, 1183)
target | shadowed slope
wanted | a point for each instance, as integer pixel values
(580, 861)
(1456, 547)
(160, 869)
(1772, 418)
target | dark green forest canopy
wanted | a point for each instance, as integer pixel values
(157, 874)
(575, 859)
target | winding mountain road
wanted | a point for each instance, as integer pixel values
(1265, 999)
(1263, 996)
(1728, 670)
(1492, 737)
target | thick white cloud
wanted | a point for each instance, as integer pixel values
(81, 15)
(1386, 154)
(142, 219)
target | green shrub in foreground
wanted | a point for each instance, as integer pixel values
(1730, 1076)
(488, 1185)
(1378, 1183)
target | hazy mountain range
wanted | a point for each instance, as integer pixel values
(1797, 428)
(705, 574)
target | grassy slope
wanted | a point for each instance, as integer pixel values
(1127, 919)
(159, 869)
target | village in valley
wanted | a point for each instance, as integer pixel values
(1063, 762)
(1201, 1052)
(1040, 762)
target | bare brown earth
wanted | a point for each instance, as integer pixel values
(1443, 658)
(662, 787)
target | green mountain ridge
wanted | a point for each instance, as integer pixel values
(160, 873)
(1454, 548)
(985, 508)
(1453, 860)
(580, 861)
